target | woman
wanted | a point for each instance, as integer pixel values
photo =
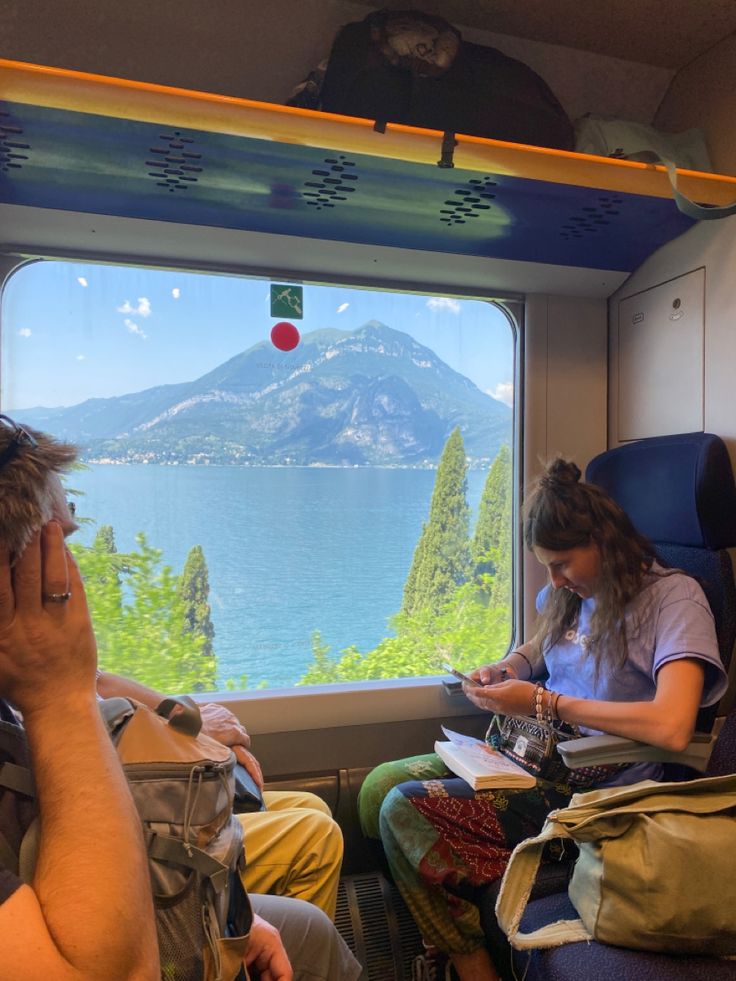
(630, 649)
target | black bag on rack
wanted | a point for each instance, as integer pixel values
(407, 67)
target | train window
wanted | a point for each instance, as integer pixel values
(281, 485)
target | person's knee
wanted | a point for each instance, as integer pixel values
(315, 803)
(312, 943)
(383, 778)
(392, 803)
(323, 835)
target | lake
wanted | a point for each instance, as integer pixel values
(289, 550)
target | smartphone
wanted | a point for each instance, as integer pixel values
(460, 676)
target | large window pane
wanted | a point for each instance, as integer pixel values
(259, 516)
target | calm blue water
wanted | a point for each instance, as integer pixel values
(289, 550)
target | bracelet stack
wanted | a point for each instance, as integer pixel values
(546, 713)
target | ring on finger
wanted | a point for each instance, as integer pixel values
(56, 597)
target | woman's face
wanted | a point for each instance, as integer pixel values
(577, 569)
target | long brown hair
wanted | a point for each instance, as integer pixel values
(26, 494)
(562, 513)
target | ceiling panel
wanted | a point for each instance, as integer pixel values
(668, 33)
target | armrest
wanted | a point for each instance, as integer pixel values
(597, 750)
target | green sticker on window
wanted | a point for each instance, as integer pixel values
(287, 301)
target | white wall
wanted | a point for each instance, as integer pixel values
(565, 407)
(704, 95)
(712, 245)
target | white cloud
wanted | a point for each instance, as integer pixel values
(343, 307)
(134, 328)
(81, 357)
(504, 392)
(176, 292)
(143, 309)
(25, 332)
(444, 303)
(82, 281)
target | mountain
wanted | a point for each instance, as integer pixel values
(373, 396)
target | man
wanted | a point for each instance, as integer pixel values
(87, 913)
(32, 495)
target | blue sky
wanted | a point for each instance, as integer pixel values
(73, 331)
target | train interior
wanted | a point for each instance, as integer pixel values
(622, 307)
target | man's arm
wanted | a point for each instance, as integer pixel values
(88, 914)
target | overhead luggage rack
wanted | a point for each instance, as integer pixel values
(87, 143)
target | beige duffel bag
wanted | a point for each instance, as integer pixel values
(657, 869)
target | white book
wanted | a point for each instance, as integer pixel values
(479, 764)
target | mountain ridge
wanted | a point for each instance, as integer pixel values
(373, 396)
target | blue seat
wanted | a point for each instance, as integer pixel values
(679, 491)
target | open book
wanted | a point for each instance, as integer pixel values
(480, 765)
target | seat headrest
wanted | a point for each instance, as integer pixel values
(676, 489)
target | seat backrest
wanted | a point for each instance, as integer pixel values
(680, 492)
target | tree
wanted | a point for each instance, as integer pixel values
(465, 631)
(139, 619)
(105, 540)
(194, 589)
(441, 559)
(493, 527)
(469, 623)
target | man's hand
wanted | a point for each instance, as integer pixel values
(47, 647)
(266, 952)
(219, 723)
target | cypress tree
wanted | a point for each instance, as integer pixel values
(441, 559)
(492, 540)
(105, 540)
(194, 589)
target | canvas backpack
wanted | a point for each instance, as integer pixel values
(182, 784)
(656, 869)
(623, 139)
(405, 66)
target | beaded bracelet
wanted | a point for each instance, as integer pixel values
(538, 708)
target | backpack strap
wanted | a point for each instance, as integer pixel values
(516, 887)
(168, 849)
(19, 779)
(700, 212)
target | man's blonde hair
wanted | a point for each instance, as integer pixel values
(26, 493)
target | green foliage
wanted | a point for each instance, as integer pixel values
(467, 631)
(469, 622)
(441, 560)
(194, 588)
(492, 543)
(140, 618)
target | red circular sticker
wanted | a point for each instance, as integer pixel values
(284, 336)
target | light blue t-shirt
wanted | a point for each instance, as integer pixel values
(670, 619)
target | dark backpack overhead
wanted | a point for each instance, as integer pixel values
(407, 67)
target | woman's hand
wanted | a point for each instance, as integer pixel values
(491, 674)
(506, 698)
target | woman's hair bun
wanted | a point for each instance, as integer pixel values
(560, 472)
